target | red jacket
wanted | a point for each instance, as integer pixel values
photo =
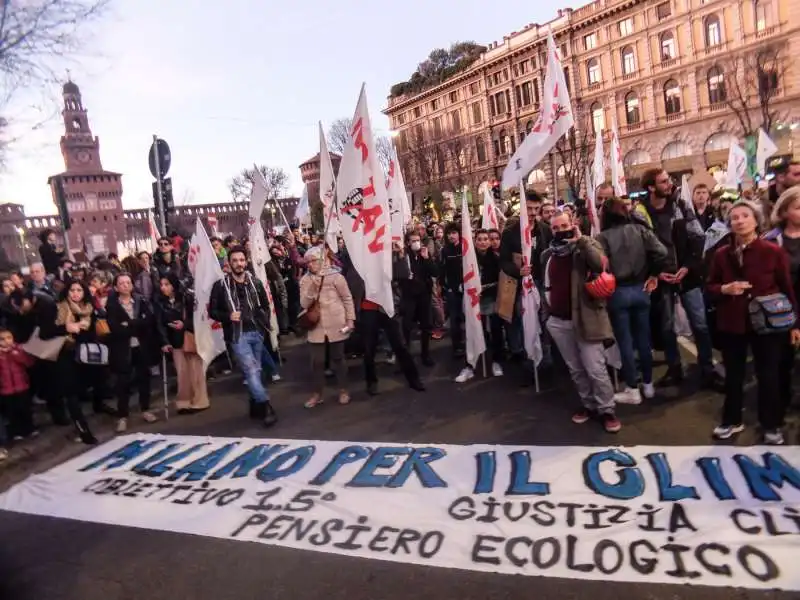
(765, 266)
(14, 366)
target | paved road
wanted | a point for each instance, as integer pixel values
(51, 559)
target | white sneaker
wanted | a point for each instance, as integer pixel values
(774, 438)
(628, 396)
(465, 375)
(724, 432)
(276, 377)
(497, 370)
(122, 425)
(648, 390)
(390, 360)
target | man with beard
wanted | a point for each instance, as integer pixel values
(239, 302)
(677, 227)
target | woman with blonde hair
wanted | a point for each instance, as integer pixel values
(324, 292)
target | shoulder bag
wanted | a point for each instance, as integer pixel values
(92, 353)
(771, 313)
(309, 318)
(44, 349)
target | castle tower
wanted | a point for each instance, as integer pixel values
(310, 172)
(94, 196)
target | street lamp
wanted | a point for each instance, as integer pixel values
(21, 233)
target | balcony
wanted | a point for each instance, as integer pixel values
(674, 117)
(594, 87)
(667, 63)
(629, 76)
(717, 106)
(633, 126)
(715, 49)
(766, 31)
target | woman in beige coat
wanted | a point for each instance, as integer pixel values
(337, 314)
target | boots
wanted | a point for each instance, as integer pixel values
(270, 416)
(425, 346)
(84, 433)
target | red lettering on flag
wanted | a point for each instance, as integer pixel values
(474, 296)
(368, 216)
(358, 139)
(376, 245)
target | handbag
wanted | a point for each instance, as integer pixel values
(44, 349)
(772, 313)
(309, 318)
(92, 353)
(101, 328)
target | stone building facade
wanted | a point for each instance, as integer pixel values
(668, 72)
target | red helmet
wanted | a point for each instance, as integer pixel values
(602, 285)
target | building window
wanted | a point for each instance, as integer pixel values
(763, 9)
(719, 141)
(676, 149)
(566, 79)
(496, 147)
(437, 127)
(477, 114)
(663, 11)
(598, 118)
(401, 118)
(523, 93)
(440, 161)
(417, 112)
(632, 113)
(767, 74)
(593, 72)
(716, 86)
(474, 87)
(628, 61)
(672, 97)
(453, 97)
(480, 150)
(537, 176)
(522, 68)
(713, 31)
(535, 86)
(590, 41)
(635, 157)
(456, 120)
(434, 104)
(626, 27)
(500, 105)
(667, 43)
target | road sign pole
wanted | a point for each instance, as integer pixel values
(160, 199)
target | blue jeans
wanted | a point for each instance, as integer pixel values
(629, 311)
(695, 306)
(249, 351)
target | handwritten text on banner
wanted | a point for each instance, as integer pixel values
(716, 516)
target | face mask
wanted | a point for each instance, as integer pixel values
(415, 246)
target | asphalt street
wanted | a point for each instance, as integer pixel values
(53, 559)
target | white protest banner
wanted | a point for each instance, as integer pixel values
(399, 206)
(327, 192)
(363, 206)
(617, 168)
(204, 266)
(259, 255)
(530, 301)
(488, 211)
(471, 300)
(715, 516)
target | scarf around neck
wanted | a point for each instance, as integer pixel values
(70, 312)
(561, 248)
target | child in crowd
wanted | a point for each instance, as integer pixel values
(15, 389)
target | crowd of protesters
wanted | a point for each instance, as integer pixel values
(74, 334)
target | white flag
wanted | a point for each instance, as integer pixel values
(363, 207)
(489, 210)
(399, 207)
(617, 168)
(327, 193)
(476, 343)
(591, 201)
(258, 198)
(555, 119)
(686, 193)
(764, 150)
(737, 167)
(599, 164)
(204, 265)
(155, 234)
(530, 301)
(259, 254)
(303, 212)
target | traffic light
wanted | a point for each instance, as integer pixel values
(60, 200)
(166, 197)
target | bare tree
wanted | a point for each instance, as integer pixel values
(459, 158)
(277, 182)
(37, 38)
(574, 152)
(748, 84)
(421, 158)
(339, 137)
